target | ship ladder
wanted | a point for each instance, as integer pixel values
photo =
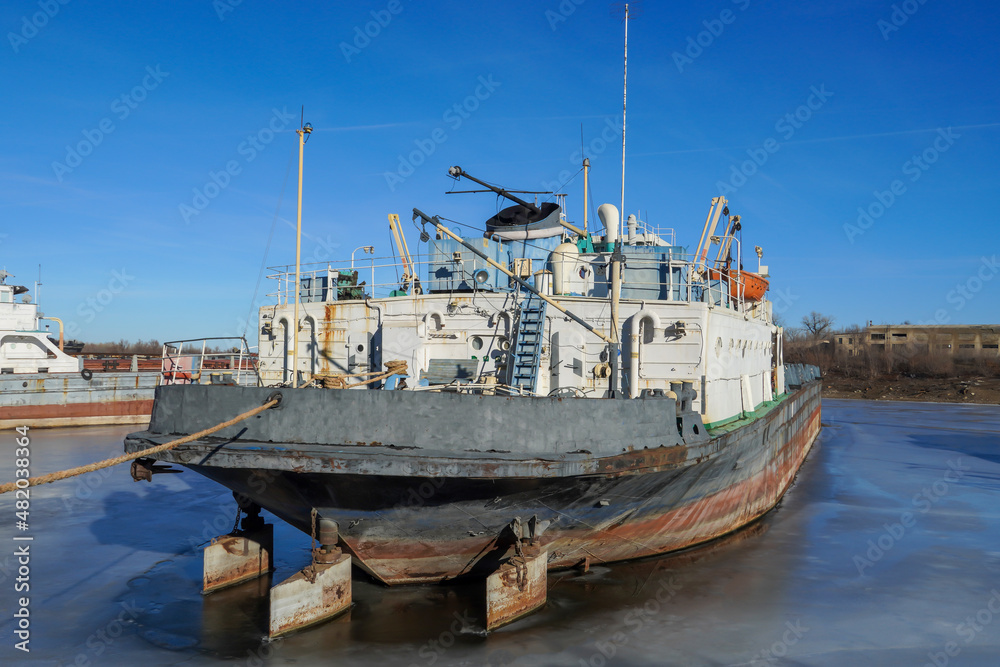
(528, 344)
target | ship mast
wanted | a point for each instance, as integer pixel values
(616, 256)
(624, 105)
(303, 133)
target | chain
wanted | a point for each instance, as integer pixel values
(310, 572)
(236, 524)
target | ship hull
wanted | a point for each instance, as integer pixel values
(40, 400)
(446, 519)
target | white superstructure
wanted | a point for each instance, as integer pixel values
(458, 326)
(24, 346)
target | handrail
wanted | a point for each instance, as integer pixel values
(179, 367)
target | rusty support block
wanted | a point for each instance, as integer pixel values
(315, 594)
(518, 588)
(238, 557)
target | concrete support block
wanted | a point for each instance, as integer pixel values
(518, 588)
(232, 559)
(297, 602)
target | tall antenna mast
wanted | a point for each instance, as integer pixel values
(624, 106)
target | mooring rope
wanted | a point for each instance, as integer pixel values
(107, 463)
(337, 381)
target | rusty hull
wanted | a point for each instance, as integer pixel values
(517, 589)
(445, 522)
(67, 399)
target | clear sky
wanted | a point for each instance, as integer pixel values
(121, 119)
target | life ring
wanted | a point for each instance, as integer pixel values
(86, 374)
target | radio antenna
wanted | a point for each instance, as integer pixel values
(624, 107)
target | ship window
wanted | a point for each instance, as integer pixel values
(477, 343)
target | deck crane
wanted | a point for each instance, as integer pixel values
(409, 272)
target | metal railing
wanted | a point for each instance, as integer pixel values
(647, 276)
(193, 361)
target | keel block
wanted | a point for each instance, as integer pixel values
(297, 602)
(238, 557)
(519, 587)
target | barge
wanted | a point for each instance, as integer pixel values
(43, 386)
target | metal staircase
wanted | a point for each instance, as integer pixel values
(527, 347)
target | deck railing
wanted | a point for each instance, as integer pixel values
(647, 276)
(200, 361)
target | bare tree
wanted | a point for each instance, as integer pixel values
(817, 324)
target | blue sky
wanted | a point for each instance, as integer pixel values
(829, 107)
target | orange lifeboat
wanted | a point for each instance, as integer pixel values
(753, 285)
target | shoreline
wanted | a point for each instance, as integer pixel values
(961, 391)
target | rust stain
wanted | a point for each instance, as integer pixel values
(698, 522)
(103, 409)
(516, 589)
(251, 568)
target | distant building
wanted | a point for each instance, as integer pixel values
(958, 339)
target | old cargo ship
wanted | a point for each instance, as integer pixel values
(595, 397)
(41, 385)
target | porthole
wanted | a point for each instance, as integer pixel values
(477, 343)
